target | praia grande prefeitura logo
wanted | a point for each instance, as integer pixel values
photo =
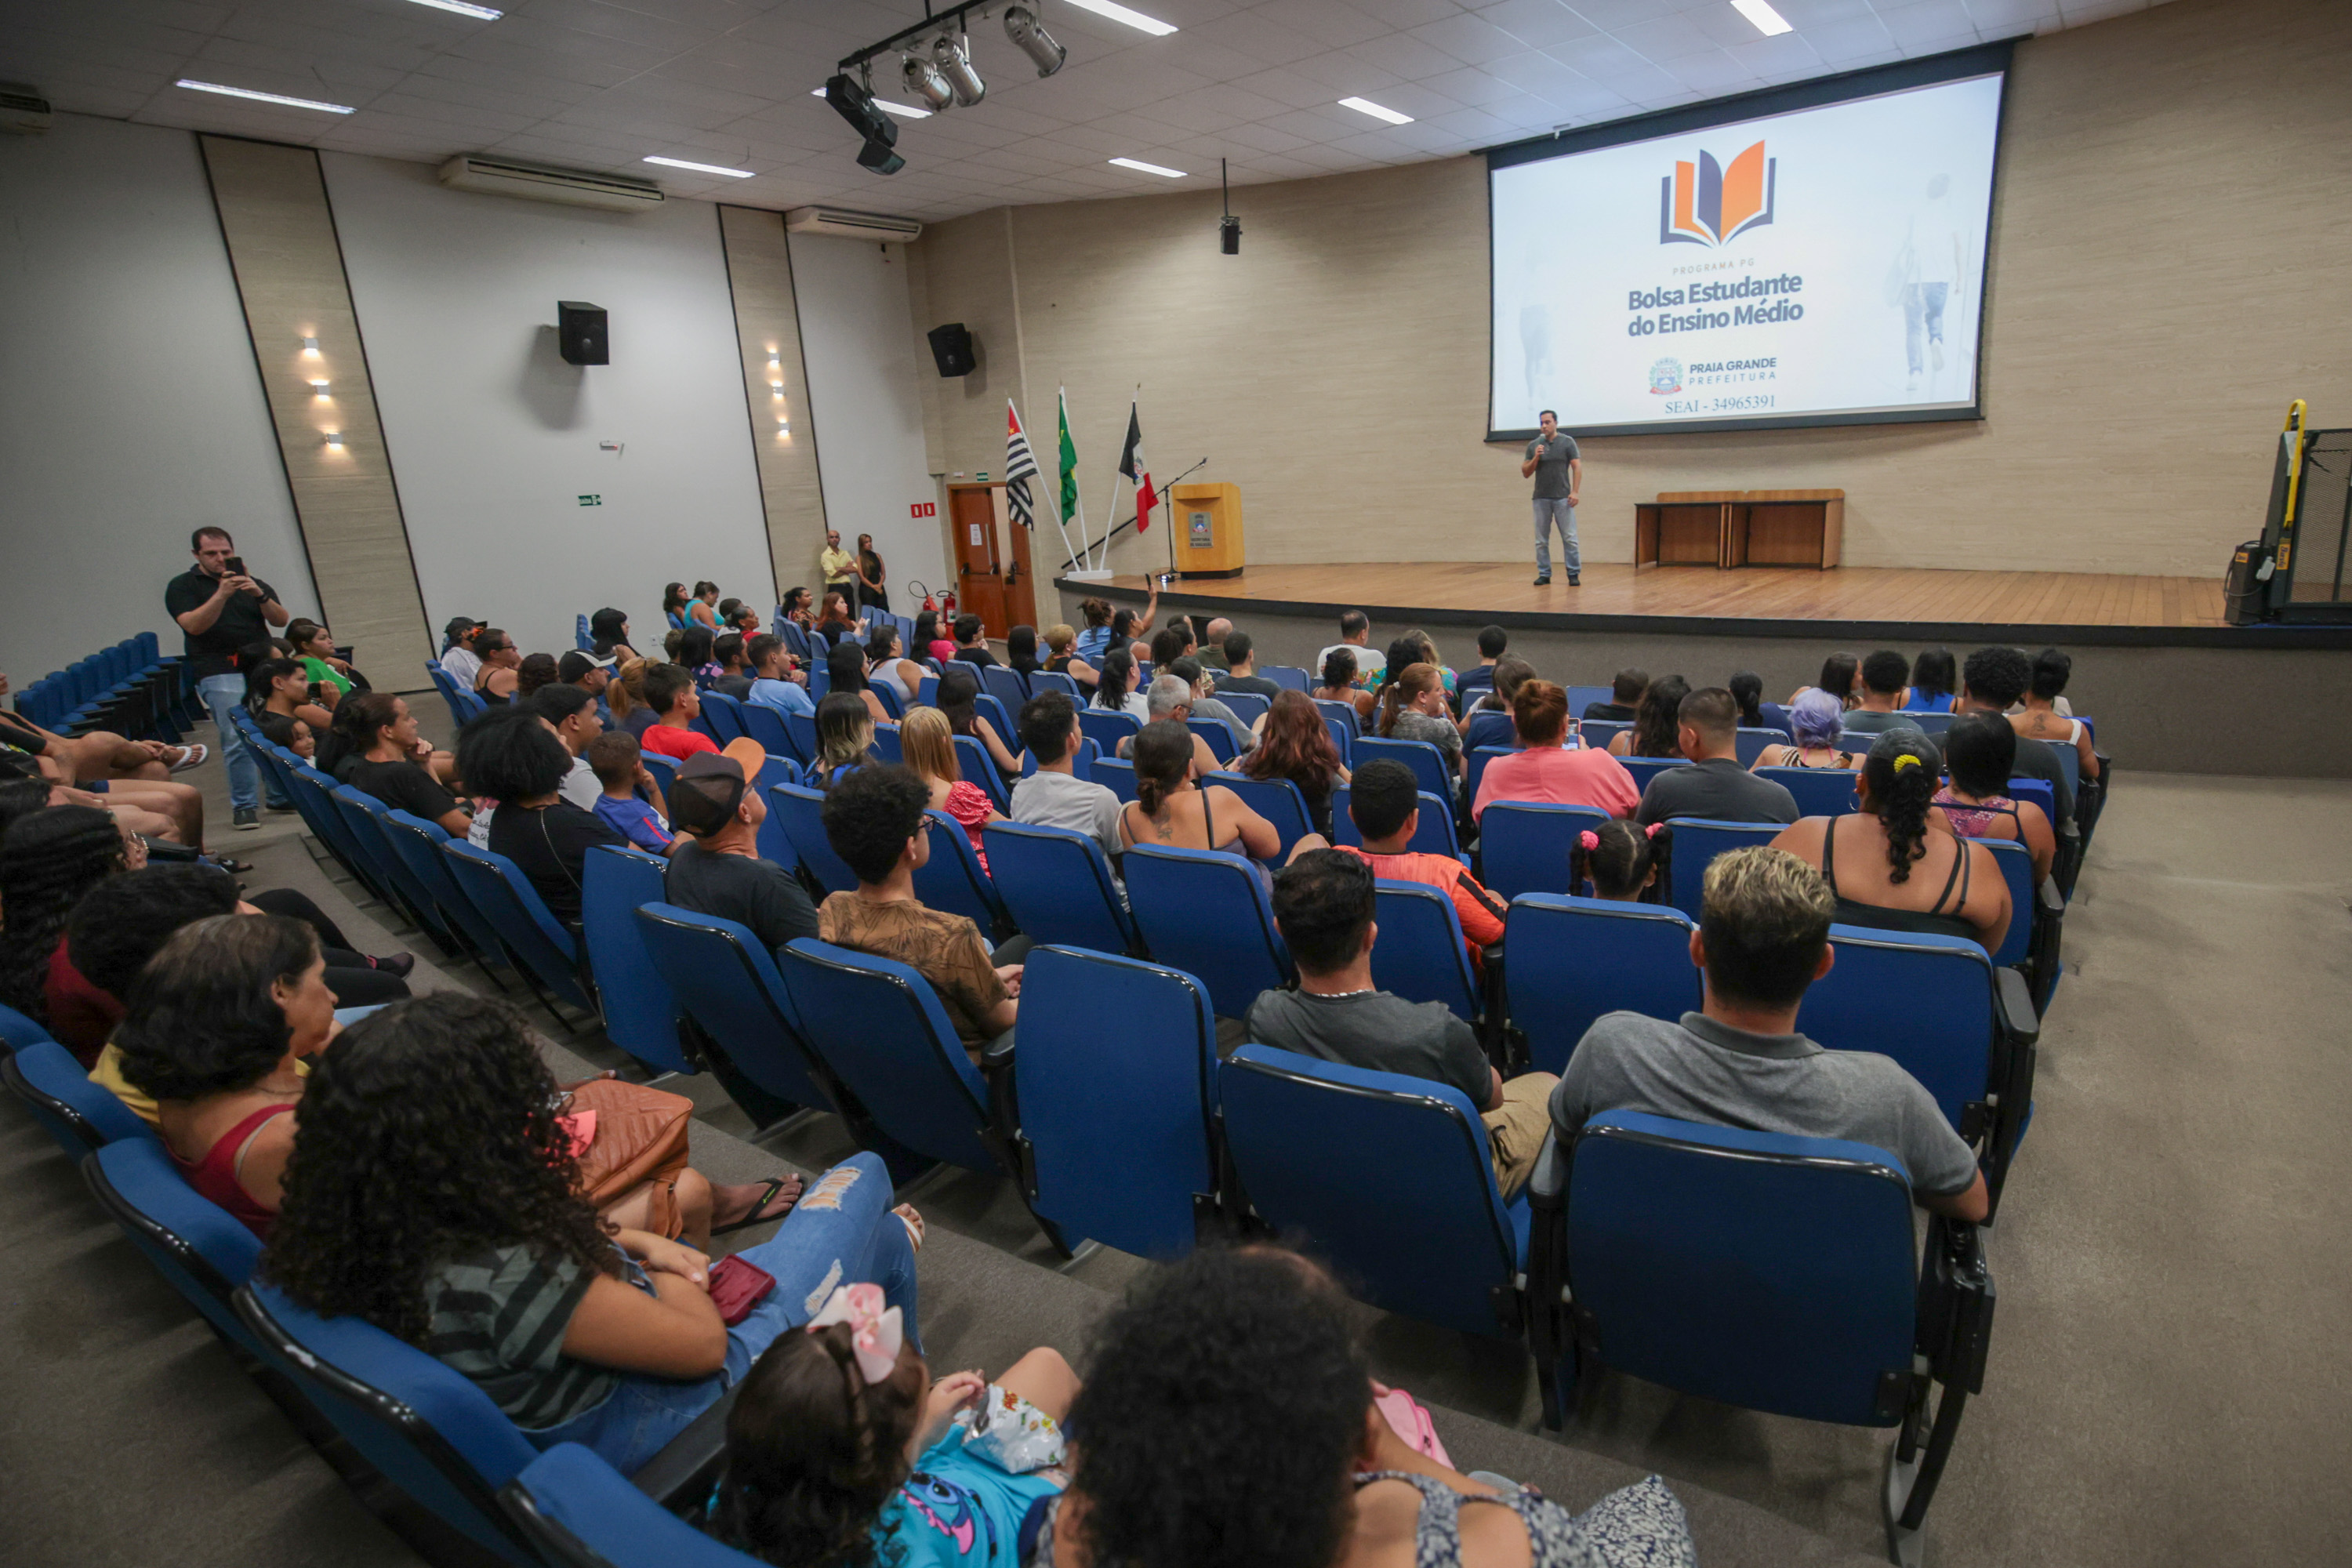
(1665, 376)
(1706, 204)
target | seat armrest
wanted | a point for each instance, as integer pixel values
(1956, 1305)
(681, 1475)
(996, 1056)
(2051, 903)
(1547, 1186)
(2012, 1006)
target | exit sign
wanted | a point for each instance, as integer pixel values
(592, 500)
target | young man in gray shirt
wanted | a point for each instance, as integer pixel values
(1559, 473)
(1715, 786)
(1054, 796)
(1763, 938)
(1323, 902)
(1885, 675)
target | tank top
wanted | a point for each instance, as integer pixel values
(215, 1175)
(1972, 821)
(1554, 1540)
(1929, 921)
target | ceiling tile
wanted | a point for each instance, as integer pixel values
(1468, 39)
(1539, 24)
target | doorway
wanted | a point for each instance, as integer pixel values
(993, 578)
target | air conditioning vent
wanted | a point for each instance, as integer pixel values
(544, 182)
(23, 109)
(852, 225)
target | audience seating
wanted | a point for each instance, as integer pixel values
(1116, 775)
(952, 879)
(1107, 727)
(1343, 713)
(363, 816)
(1218, 736)
(1644, 769)
(639, 1014)
(731, 988)
(1290, 677)
(1697, 841)
(1573, 959)
(1433, 834)
(1005, 684)
(1041, 681)
(77, 1113)
(1206, 911)
(801, 810)
(889, 700)
(766, 725)
(18, 1031)
(1752, 742)
(1420, 953)
(801, 727)
(1343, 737)
(889, 745)
(998, 717)
(724, 716)
(1492, 728)
(1277, 800)
(1248, 706)
(2037, 917)
(1057, 885)
(1389, 1177)
(1427, 763)
(1965, 1030)
(1819, 791)
(665, 774)
(418, 844)
(1523, 845)
(1118, 1138)
(878, 1025)
(1579, 698)
(578, 1511)
(974, 762)
(1762, 1271)
(544, 954)
(1475, 771)
(1595, 734)
(129, 688)
(326, 819)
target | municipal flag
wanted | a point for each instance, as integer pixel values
(1138, 471)
(1069, 465)
(1019, 467)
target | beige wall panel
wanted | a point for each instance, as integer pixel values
(290, 275)
(2167, 251)
(767, 322)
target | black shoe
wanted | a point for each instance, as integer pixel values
(285, 810)
(247, 820)
(1575, 581)
(397, 965)
(1543, 581)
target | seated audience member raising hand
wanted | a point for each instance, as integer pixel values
(671, 696)
(1818, 721)
(1170, 808)
(382, 755)
(436, 1194)
(1715, 786)
(842, 1449)
(1542, 772)
(874, 820)
(1324, 903)
(1763, 938)
(1385, 802)
(1657, 721)
(1621, 859)
(1892, 864)
(930, 746)
(1978, 751)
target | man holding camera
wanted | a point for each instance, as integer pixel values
(1559, 474)
(222, 612)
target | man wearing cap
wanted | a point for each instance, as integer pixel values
(458, 655)
(591, 675)
(717, 869)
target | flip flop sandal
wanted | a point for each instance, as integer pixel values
(756, 1214)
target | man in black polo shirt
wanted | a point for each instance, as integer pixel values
(1715, 786)
(221, 612)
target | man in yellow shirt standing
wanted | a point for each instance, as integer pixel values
(839, 566)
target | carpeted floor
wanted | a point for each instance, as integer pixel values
(2164, 1384)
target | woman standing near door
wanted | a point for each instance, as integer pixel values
(872, 578)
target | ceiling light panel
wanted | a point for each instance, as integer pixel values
(702, 168)
(279, 99)
(1378, 112)
(1768, 22)
(1117, 13)
(1141, 167)
(903, 110)
(479, 13)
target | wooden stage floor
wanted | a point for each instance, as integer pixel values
(1617, 593)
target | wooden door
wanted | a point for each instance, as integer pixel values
(980, 572)
(1019, 579)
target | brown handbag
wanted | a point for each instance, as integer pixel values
(640, 1137)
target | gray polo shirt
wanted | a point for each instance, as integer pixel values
(1718, 789)
(1705, 1071)
(1551, 469)
(1047, 799)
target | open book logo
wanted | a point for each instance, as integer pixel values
(1706, 203)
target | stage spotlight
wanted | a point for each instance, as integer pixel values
(955, 64)
(924, 81)
(854, 104)
(1021, 26)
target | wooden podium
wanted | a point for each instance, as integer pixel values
(1726, 528)
(1208, 523)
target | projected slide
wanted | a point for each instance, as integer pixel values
(1821, 266)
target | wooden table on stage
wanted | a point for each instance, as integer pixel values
(1740, 527)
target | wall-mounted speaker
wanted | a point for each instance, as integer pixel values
(951, 346)
(580, 328)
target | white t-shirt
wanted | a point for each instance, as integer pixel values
(463, 664)
(1370, 663)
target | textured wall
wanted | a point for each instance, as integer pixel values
(2167, 246)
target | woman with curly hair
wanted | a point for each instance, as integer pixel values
(49, 857)
(1904, 869)
(1657, 723)
(843, 1451)
(1294, 743)
(434, 1192)
(1228, 1419)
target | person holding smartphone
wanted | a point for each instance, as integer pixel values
(222, 609)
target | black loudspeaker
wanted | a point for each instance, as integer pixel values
(951, 347)
(580, 327)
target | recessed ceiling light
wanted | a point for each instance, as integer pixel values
(903, 110)
(1117, 13)
(1768, 22)
(703, 168)
(1142, 168)
(479, 13)
(1378, 112)
(264, 97)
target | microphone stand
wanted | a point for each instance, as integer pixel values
(1130, 522)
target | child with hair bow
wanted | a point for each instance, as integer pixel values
(842, 1449)
(1623, 860)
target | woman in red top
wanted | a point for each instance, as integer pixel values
(1540, 771)
(930, 746)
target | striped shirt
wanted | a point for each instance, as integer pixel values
(498, 1315)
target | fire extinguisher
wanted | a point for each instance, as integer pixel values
(943, 604)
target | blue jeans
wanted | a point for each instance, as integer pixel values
(224, 694)
(842, 1232)
(1549, 512)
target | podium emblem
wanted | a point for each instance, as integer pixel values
(1665, 376)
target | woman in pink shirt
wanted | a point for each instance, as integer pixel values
(1542, 773)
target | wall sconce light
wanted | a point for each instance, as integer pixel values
(775, 389)
(783, 428)
(334, 440)
(318, 388)
(775, 359)
(311, 347)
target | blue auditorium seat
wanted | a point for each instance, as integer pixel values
(1697, 841)
(1057, 885)
(1206, 911)
(1819, 791)
(640, 1016)
(952, 880)
(729, 985)
(79, 1114)
(1573, 959)
(1420, 953)
(1524, 844)
(801, 811)
(1433, 833)
(578, 1511)
(541, 948)
(1277, 800)
(1427, 763)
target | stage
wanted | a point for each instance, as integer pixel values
(2154, 659)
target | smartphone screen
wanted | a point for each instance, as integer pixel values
(237, 566)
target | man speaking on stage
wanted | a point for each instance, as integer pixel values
(1553, 460)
